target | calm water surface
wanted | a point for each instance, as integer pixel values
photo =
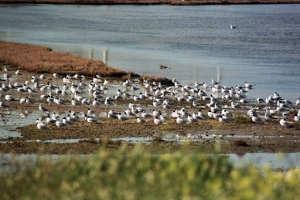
(196, 42)
(283, 161)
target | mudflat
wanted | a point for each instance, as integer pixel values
(240, 136)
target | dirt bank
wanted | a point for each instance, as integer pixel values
(152, 2)
(40, 59)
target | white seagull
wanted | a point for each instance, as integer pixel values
(60, 124)
(140, 120)
(42, 108)
(180, 120)
(285, 123)
(91, 119)
(296, 118)
(157, 121)
(122, 117)
(40, 125)
(232, 27)
(256, 119)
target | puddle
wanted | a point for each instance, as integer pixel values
(10, 163)
(13, 119)
(274, 160)
(167, 137)
(134, 140)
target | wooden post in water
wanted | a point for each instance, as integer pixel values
(105, 56)
(196, 74)
(92, 54)
(219, 71)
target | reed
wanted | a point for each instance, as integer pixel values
(113, 175)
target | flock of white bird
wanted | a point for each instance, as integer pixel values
(89, 95)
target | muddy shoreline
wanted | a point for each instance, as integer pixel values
(150, 2)
(267, 137)
(235, 137)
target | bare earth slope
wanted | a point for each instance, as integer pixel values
(42, 59)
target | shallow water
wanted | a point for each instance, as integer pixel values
(195, 42)
(277, 160)
(16, 118)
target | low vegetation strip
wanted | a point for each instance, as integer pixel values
(140, 175)
(149, 2)
(40, 59)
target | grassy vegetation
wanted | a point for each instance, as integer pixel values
(242, 119)
(140, 175)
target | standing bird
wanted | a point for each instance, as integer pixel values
(112, 114)
(296, 118)
(144, 114)
(256, 119)
(157, 121)
(9, 97)
(40, 125)
(191, 119)
(225, 119)
(108, 101)
(91, 119)
(285, 123)
(18, 73)
(50, 120)
(3, 105)
(140, 120)
(42, 108)
(42, 77)
(60, 124)
(180, 120)
(122, 117)
(7, 69)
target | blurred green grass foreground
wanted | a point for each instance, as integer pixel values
(141, 175)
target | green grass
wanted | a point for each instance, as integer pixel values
(140, 175)
(242, 119)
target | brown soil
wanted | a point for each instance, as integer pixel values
(40, 59)
(232, 137)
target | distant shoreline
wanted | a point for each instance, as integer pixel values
(150, 2)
